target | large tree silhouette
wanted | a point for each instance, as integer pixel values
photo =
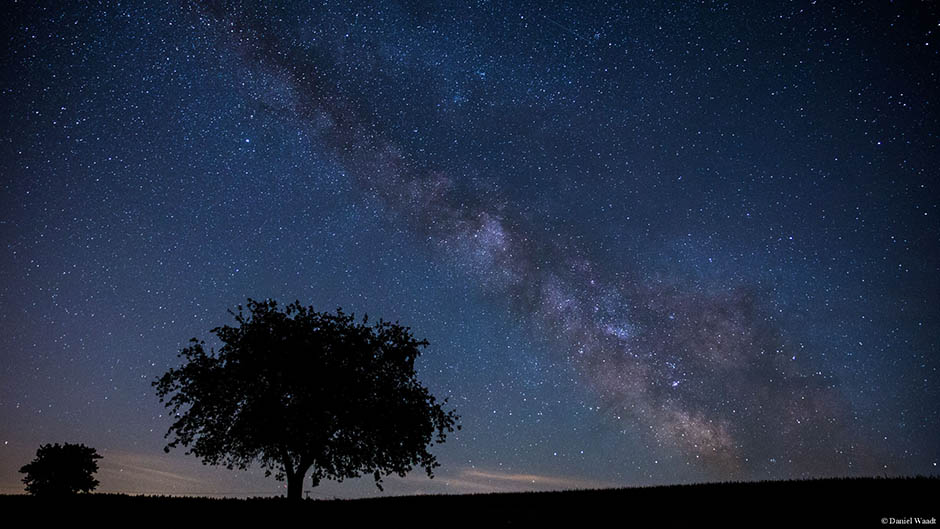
(299, 390)
(61, 470)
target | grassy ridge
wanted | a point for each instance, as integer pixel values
(854, 501)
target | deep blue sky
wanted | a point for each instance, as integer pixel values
(648, 243)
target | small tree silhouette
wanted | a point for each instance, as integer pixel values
(298, 390)
(61, 470)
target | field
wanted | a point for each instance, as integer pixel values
(839, 502)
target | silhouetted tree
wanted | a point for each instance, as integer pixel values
(60, 470)
(298, 390)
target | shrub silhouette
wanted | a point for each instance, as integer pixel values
(298, 390)
(61, 470)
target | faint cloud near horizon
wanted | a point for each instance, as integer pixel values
(124, 472)
(474, 480)
(136, 473)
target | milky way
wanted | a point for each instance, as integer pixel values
(705, 367)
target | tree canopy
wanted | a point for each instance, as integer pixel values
(61, 470)
(298, 390)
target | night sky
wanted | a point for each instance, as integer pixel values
(648, 243)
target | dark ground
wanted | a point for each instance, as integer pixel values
(815, 503)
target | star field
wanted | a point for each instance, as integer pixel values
(648, 244)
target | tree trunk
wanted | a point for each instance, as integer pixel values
(295, 486)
